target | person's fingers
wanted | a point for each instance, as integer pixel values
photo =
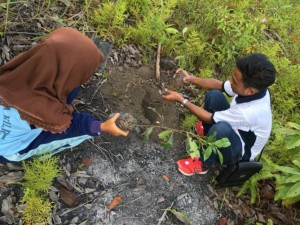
(179, 70)
(124, 133)
(174, 76)
(115, 117)
(121, 132)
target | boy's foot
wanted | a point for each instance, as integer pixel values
(199, 128)
(191, 166)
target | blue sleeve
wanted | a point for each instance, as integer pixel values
(84, 124)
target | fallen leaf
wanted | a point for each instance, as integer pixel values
(14, 167)
(87, 162)
(216, 204)
(223, 221)
(181, 196)
(160, 199)
(68, 197)
(12, 177)
(89, 190)
(267, 193)
(260, 218)
(6, 208)
(166, 178)
(230, 222)
(80, 174)
(83, 222)
(116, 201)
(171, 188)
(140, 181)
(182, 216)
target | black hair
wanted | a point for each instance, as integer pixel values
(257, 71)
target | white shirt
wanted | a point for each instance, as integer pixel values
(250, 114)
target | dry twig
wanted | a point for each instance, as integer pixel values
(162, 218)
(158, 62)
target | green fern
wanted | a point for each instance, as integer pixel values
(39, 174)
(192, 47)
(37, 210)
(109, 20)
(189, 122)
(288, 183)
(266, 173)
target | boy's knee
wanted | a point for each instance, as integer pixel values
(222, 128)
(213, 94)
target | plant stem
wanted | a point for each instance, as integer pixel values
(183, 132)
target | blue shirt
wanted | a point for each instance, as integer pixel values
(15, 133)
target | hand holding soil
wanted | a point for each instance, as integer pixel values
(126, 121)
(183, 75)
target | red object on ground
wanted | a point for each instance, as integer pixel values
(190, 166)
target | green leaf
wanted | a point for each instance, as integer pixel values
(212, 137)
(290, 201)
(179, 57)
(193, 149)
(165, 134)
(293, 179)
(296, 162)
(285, 131)
(207, 153)
(172, 30)
(184, 30)
(286, 169)
(281, 193)
(147, 134)
(194, 153)
(220, 156)
(293, 142)
(222, 143)
(294, 125)
(294, 191)
(192, 144)
(182, 216)
(168, 144)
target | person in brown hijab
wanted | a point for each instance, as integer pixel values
(36, 91)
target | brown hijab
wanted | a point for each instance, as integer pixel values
(38, 81)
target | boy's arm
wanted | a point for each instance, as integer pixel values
(201, 113)
(205, 83)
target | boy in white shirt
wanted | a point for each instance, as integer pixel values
(246, 122)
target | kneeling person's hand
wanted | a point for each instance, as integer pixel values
(110, 127)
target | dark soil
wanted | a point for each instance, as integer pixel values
(134, 169)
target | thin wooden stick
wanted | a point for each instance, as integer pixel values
(162, 218)
(158, 62)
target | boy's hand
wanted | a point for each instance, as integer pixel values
(187, 77)
(110, 127)
(171, 95)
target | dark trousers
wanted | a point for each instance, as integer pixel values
(216, 101)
